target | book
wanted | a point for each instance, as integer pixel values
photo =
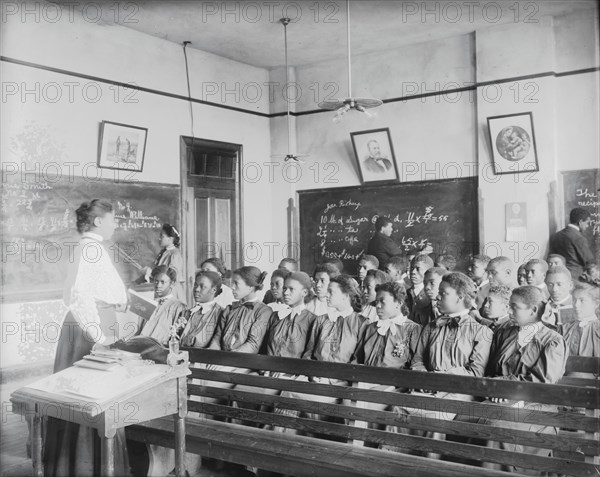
(86, 363)
(141, 305)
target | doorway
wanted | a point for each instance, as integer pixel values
(211, 207)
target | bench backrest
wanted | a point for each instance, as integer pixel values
(571, 408)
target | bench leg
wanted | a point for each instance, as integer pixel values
(36, 444)
(179, 446)
(108, 456)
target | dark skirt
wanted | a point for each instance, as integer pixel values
(71, 449)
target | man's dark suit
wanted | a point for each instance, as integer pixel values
(571, 244)
(383, 247)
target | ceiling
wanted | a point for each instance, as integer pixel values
(250, 32)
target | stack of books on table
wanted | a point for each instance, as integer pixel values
(107, 359)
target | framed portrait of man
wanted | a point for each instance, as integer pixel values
(375, 156)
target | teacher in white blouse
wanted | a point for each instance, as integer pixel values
(94, 292)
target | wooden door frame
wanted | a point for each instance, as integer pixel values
(187, 203)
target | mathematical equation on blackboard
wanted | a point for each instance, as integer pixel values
(340, 222)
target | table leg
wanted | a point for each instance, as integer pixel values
(108, 456)
(179, 445)
(36, 446)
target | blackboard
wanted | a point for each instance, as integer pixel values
(580, 189)
(38, 228)
(338, 223)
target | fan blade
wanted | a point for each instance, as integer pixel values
(331, 104)
(367, 103)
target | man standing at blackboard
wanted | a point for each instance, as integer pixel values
(381, 245)
(571, 244)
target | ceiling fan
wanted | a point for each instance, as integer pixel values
(342, 106)
(289, 156)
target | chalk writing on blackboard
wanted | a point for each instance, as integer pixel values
(336, 228)
(339, 222)
(39, 229)
(586, 198)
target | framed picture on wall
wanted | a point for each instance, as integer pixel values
(375, 156)
(121, 146)
(513, 143)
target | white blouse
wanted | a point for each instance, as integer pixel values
(92, 278)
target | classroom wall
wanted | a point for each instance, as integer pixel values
(445, 136)
(434, 137)
(52, 117)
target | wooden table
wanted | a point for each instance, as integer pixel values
(107, 401)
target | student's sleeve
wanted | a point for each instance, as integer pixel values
(550, 367)
(358, 357)
(176, 263)
(480, 354)
(413, 342)
(215, 343)
(313, 338)
(418, 361)
(257, 332)
(491, 369)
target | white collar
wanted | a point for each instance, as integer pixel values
(418, 288)
(248, 301)
(390, 324)
(458, 313)
(528, 332)
(334, 314)
(93, 236)
(558, 303)
(502, 319)
(586, 320)
(203, 306)
(574, 226)
(164, 299)
(482, 284)
(170, 247)
(285, 310)
(370, 313)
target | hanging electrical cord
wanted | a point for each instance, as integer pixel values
(187, 76)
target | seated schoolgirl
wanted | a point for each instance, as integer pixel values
(495, 311)
(389, 342)
(288, 330)
(583, 335)
(453, 344)
(168, 309)
(275, 296)
(526, 351)
(242, 325)
(372, 279)
(225, 298)
(324, 272)
(202, 318)
(333, 337)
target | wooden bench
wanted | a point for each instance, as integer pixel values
(575, 448)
